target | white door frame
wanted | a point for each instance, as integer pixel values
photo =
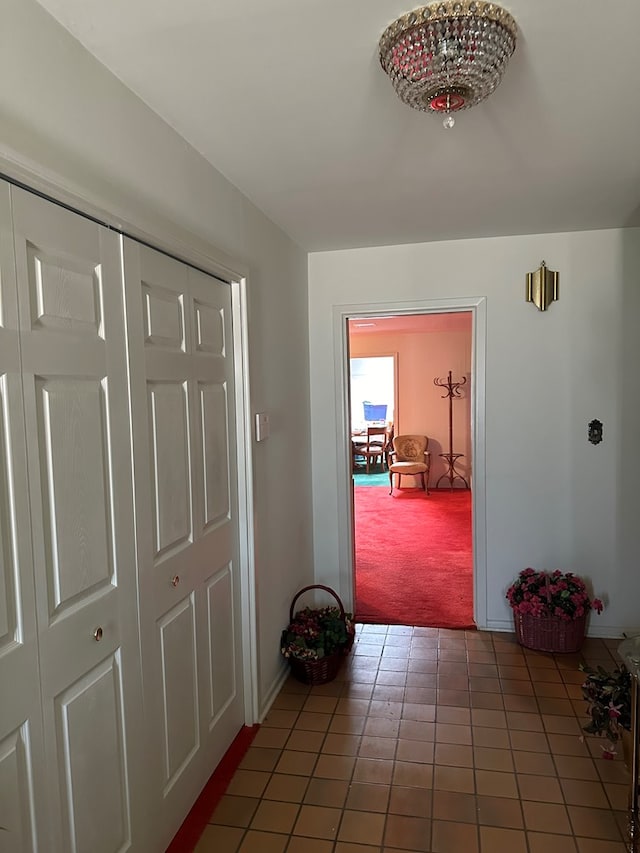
(341, 315)
(161, 235)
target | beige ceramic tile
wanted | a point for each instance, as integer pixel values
(453, 755)
(416, 750)
(296, 763)
(584, 793)
(305, 741)
(376, 770)
(417, 730)
(545, 789)
(334, 766)
(493, 783)
(286, 787)
(308, 845)
(217, 838)
(454, 779)
(248, 783)
(546, 842)
(407, 833)
(362, 827)
(449, 837)
(271, 738)
(499, 811)
(413, 802)
(537, 763)
(451, 805)
(493, 759)
(275, 817)
(326, 792)
(263, 842)
(499, 840)
(365, 796)
(594, 823)
(317, 822)
(546, 817)
(409, 774)
(234, 811)
(490, 738)
(449, 733)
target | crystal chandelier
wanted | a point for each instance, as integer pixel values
(448, 56)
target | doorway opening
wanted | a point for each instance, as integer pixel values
(413, 549)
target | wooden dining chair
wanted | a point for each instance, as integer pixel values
(375, 446)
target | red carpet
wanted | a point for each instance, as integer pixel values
(414, 563)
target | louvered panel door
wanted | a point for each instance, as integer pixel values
(79, 452)
(22, 806)
(184, 449)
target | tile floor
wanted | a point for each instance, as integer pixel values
(429, 740)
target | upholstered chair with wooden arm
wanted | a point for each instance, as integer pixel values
(410, 456)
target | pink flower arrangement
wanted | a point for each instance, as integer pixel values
(556, 593)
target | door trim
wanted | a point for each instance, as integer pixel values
(169, 239)
(341, 315)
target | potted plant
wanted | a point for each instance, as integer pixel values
(550, 609)
(316, 639)
(608, 694)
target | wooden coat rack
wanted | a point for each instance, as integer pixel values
(452, 390)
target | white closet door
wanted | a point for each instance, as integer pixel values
(22, 809)
(79, 453)
(184, 449)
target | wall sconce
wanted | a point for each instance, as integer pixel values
(542, 287)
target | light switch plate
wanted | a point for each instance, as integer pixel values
(262, 426)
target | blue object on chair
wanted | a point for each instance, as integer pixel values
(375, 411)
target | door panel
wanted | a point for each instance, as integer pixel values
(212, 417)
(179, 689)
(221, 684)
(186, 497)
(74, 470)
(74, 372)
(16, 785)
(171, 469)
(93, 775)
(22, 804)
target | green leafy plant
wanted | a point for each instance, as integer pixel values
(315, 633)
(608, 694)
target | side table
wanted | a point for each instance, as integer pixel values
(629, 651)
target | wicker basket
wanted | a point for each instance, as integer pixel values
(321, 671)
(549, 633)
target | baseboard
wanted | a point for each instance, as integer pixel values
(272, 694)
(595, 630)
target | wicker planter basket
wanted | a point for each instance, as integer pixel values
(549, 633)
(321, 671)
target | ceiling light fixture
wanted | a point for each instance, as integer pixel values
(448, 56)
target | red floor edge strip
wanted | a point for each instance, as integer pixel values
(195, 822)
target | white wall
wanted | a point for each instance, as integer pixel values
(65, 115)
(552, 499)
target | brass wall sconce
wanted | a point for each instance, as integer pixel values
(542, 287)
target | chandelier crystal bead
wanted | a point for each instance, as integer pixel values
(448, 56)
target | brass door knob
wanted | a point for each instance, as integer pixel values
(175, 580)
(97, 634)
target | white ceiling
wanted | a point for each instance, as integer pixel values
(287, 99)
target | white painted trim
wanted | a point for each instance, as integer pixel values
(169, 237)
(245, 500)
(341, 315)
